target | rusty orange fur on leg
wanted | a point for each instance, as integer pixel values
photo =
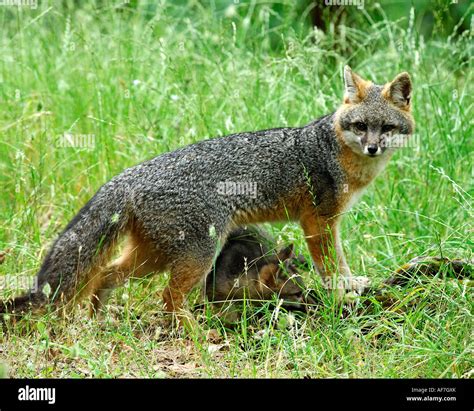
(138, 259)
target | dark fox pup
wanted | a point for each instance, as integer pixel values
(248, 268)
(175, 208)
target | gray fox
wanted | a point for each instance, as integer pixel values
(176, 208)
(248, 267)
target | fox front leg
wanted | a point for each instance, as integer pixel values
(324, 243)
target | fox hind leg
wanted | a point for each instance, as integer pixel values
(139, 258)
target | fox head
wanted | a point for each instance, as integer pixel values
(374, 119)
(280, 275)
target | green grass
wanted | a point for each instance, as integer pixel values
(149, 79)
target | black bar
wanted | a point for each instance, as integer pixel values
(377, 394)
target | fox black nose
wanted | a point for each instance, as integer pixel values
(372, 149)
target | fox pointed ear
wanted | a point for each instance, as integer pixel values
(399, 91)
(354, 87)
(286, 253)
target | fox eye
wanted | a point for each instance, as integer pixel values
(361, 126)
(386, 128)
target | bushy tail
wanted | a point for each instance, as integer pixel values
(78, 249)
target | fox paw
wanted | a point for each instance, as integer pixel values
(349, 288)
(358, 284)
(356, 287)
